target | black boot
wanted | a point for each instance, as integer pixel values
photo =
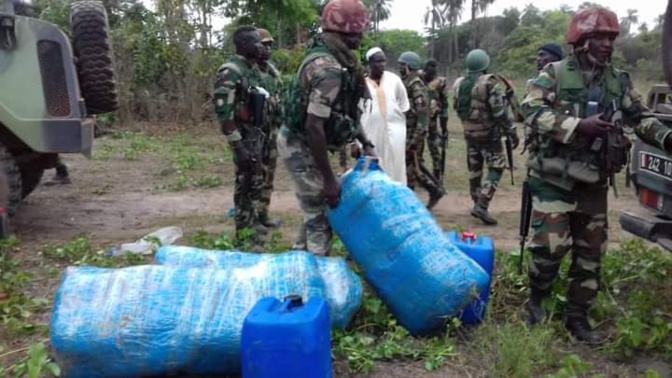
(434, 198)
(535, 309)
(581, 329)
(269, 223)
(482, 214)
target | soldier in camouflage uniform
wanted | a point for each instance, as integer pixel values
(574, 153)
(481, 104)
(417, 123)
(438, 97)
(237, 80)
(548, 53)
(272, 82)
(321, 114)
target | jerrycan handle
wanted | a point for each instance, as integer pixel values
(469, 236)
(290, 302)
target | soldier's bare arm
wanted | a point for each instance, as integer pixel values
(540, 114)
(647, 128)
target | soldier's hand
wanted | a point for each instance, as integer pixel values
(594, 126)
(332, 192)
(515, 141)
(243, 157)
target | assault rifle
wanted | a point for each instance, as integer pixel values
(444, 145)
(255, 138)
(509, 155)
(525, 219)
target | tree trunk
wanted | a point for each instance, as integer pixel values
(667, 44)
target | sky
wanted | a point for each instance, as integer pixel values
(408, 14)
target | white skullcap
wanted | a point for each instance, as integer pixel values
(373, 51)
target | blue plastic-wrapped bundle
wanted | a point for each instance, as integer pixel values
(407, 258)
(160, 320)
(343, 288)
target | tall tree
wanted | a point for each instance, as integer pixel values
(643, 28)
(436, 17)
(454, 9)
(380, 10)
(630, 20)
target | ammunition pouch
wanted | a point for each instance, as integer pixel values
(565, 183)
(574, 169)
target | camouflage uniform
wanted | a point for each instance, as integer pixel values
(231, 96)
(438, 97)
(570, 198)
(326, 90)
(485, 122)
(417, 120)
(272, 82)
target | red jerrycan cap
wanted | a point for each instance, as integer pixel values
(468, 235)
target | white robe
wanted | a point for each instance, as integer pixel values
(384, 123)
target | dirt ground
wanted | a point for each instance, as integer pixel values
(115, 199)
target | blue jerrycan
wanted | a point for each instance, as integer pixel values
(482, 251)
(287, 339)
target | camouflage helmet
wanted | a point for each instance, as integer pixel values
(411, 59)
(592, 20)
(477, 61)
(345, 16)
(265, 35)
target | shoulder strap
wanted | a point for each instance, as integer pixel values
(311, 57)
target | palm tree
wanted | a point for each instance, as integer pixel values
(630, 20)
(454, 11)
(434, 16)
(643, 27)
(380, 10)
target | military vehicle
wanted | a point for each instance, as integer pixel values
(651, 174)
(51, 87)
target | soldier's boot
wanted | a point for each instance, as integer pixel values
(259, 228)
(480, 211)
(437, 175)
(62, 176)
(435, 196)
(581, 329)
(269, 223)
(535, 309)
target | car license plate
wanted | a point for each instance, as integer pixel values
(656, 164)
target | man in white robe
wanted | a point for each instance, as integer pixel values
(384, 120)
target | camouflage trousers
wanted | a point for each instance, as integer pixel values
(247, 195)
(315, 233)
(564, 221)
(269, 160)
(490, 154)
(435, 145)
(416, 174)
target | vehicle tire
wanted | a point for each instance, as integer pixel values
(10, 184)
(30, 179)
(92, 47)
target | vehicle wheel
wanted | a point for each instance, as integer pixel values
(10, 182)
(95, 58)
(30, 179)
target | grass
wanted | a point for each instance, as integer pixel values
(634, 305)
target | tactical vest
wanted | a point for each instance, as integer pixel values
(341, 127)
(472, 108)
(242, 115)
(272, 83)
(585, 160)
